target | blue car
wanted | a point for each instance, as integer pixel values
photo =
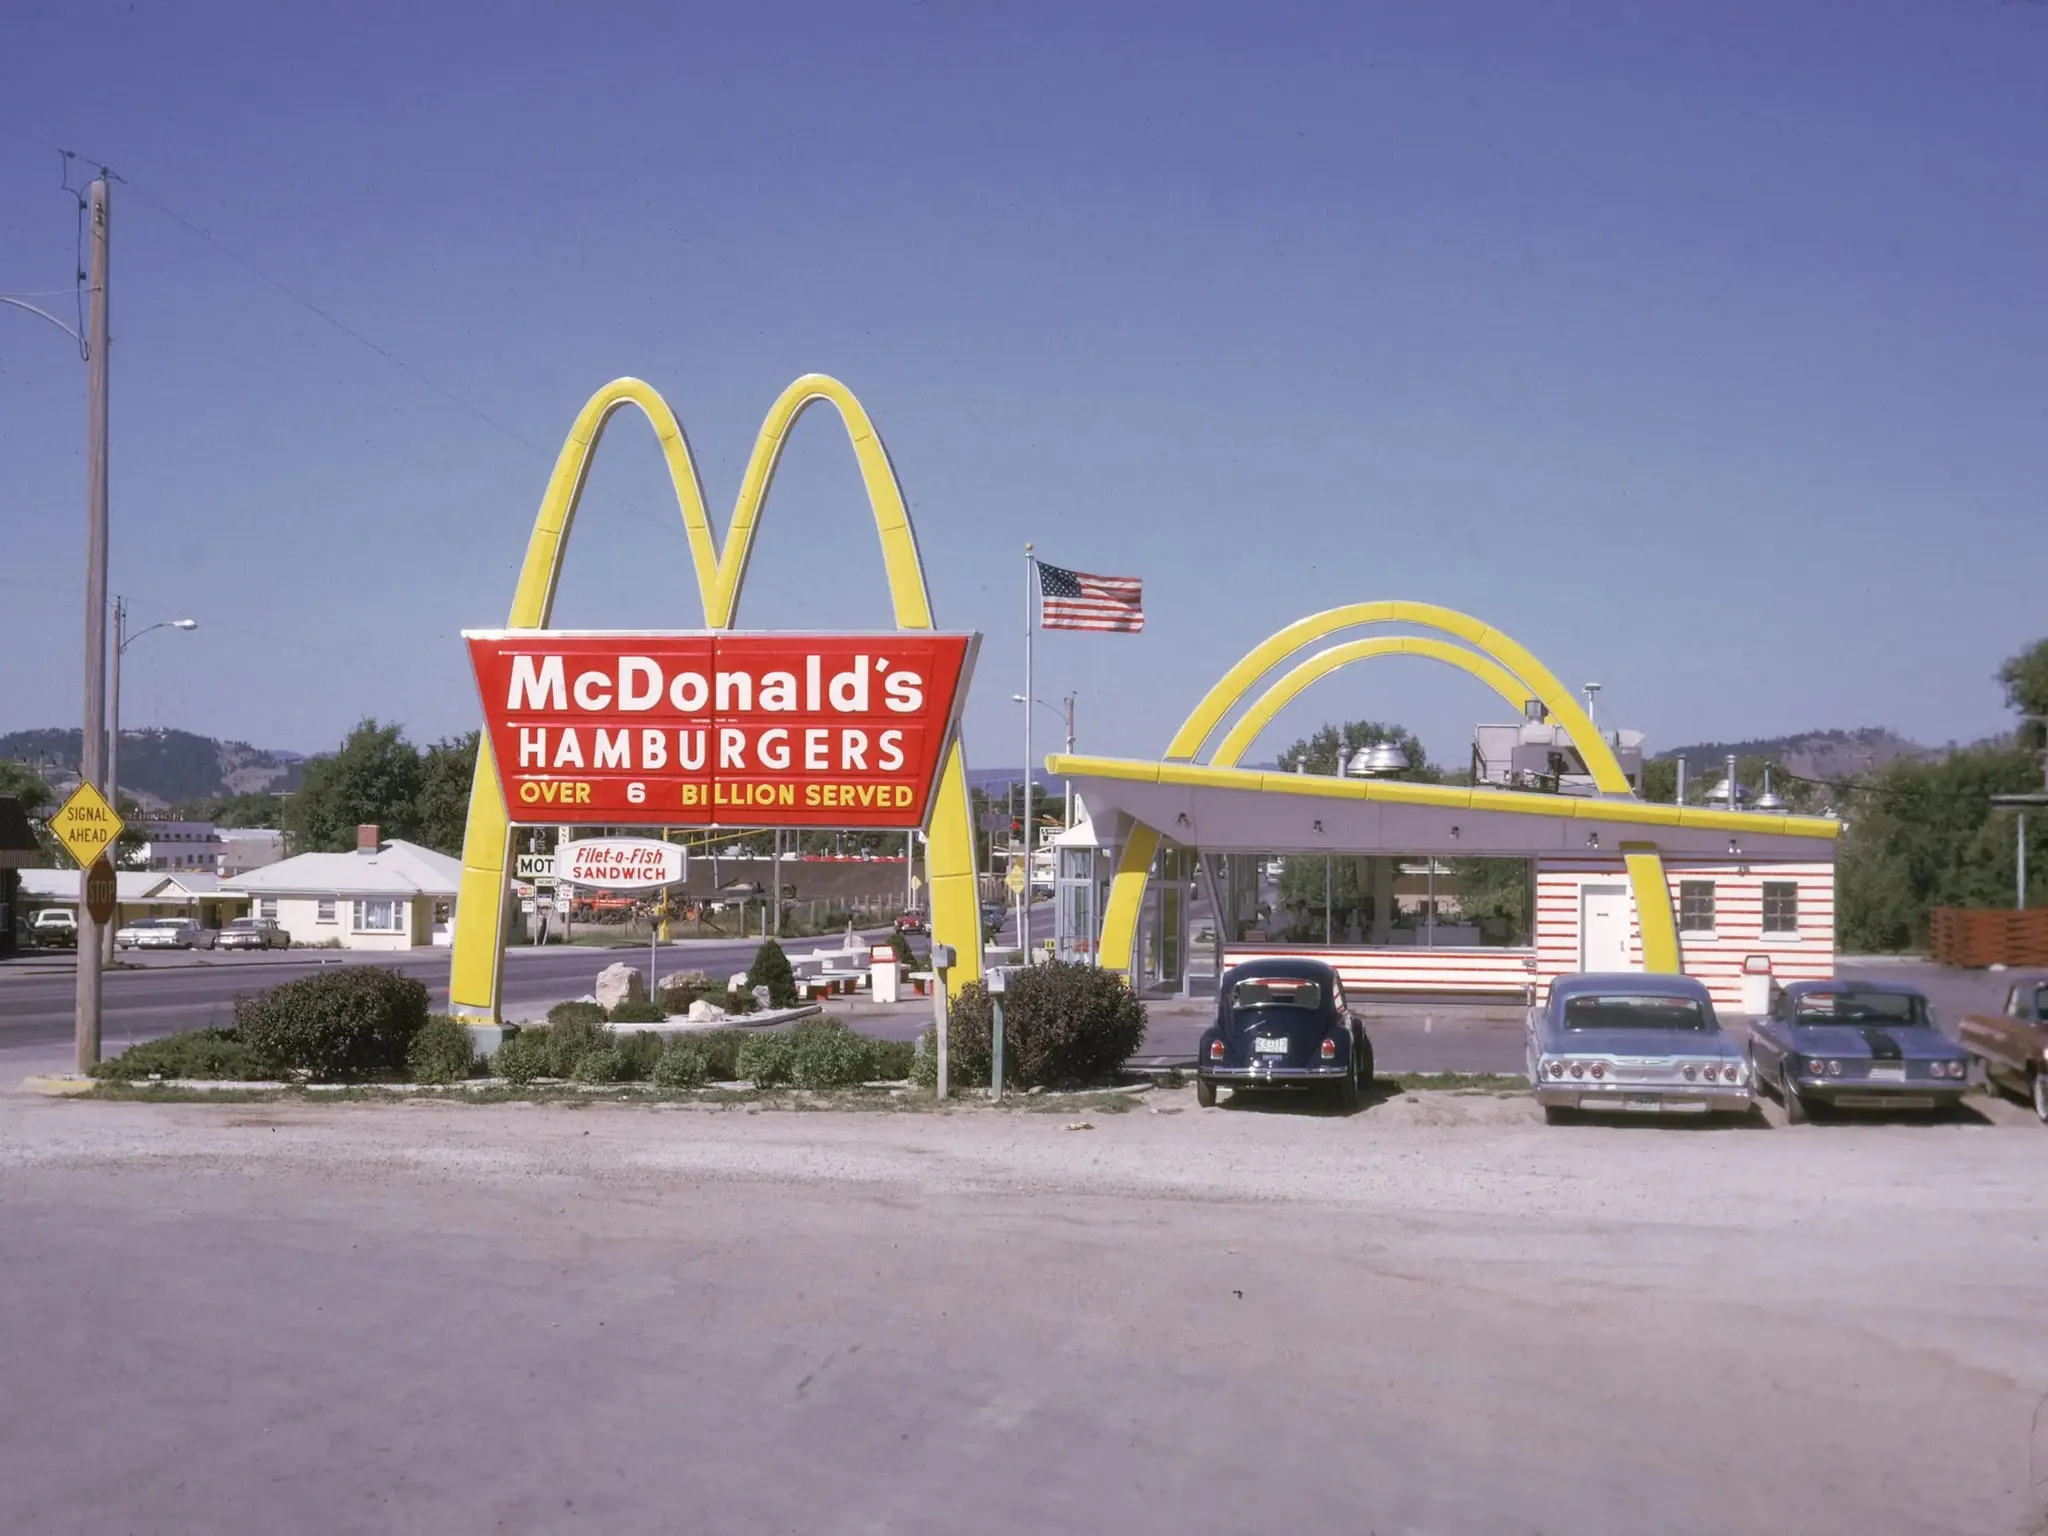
(1633, 1044)
(1857, 1044)
(1282, 1023)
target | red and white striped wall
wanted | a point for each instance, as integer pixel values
(1736, 946)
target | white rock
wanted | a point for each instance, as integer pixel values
(619, 983)
(702, 1012)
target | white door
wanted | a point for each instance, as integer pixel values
(1604, 913)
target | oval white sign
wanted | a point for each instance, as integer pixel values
(620, 863)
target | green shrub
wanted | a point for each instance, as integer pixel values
(771, 969)
(442, 1052)
(1063, 1025)
(766, 1060)
(569, 1042)
(720, 1049)
(638, 1052)
(605, 1064)
(217, 1055)
(893, 1059)
(967, 1061)
(899, 942)
(824, 1053)
(637, 1010)
(576, 1013)
(680, 1066)
(352, 1023)
(524, 1057)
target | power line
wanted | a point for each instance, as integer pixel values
(381, 351)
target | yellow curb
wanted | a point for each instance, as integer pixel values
(58, 1087)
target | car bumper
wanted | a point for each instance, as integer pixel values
(1645, 1098)
(1866, 1095)
(1260, 1076)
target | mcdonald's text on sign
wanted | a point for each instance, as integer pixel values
(86, 825)
(715, 729)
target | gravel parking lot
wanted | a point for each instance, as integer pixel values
(1437, 1315)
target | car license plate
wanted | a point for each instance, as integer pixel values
(1641, 1103)
(1887, 1074)
(1267, 1045)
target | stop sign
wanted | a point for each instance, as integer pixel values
(100, 890)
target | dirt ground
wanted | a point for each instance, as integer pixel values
(1438, 1315)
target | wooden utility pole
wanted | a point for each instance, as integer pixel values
(93, 746)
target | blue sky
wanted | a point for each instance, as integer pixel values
(1700, 348)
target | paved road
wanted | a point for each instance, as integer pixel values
(1435, 1316)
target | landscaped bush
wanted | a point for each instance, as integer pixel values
(680, 1066)
(570, 1041)
(677, 1000)
(638, 1010)
(442, 1052)
(766, 1060)
(524, 1057)
(893, 1059)
(576, 1013)
(720, 1049)
(354, 1022)
(771, 969)
(824, 1053)
(638, 1052)
(967, 1061)
(214, 1054)
(1063, 1025)
(606, 1064)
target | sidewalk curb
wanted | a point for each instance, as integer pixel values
(58, 1085)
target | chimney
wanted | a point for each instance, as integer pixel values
(367, 839)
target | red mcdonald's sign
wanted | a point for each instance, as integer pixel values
(719, 729)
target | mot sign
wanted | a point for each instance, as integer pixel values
(715, 729)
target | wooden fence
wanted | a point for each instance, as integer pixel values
(1980, 936)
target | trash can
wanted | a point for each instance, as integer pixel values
(885, 979)
(1756, 985)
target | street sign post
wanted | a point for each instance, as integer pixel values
(86, 825)
(1014, 880)
(102, 891)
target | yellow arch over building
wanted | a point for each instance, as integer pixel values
(1489, 655)
(721, 572)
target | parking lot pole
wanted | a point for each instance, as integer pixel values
(998, 983)
(942, 962)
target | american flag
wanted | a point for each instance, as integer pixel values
(1076, 600)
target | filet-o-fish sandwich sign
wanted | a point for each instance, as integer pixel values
(720, 729)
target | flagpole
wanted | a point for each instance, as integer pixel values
(1030, 629)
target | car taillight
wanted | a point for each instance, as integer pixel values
(1690, 1072)
(1329, 1050)
(1215, 1050)
(1557, 1069)
(1578, 1069)
(1834, 1069)
(1599, 1069)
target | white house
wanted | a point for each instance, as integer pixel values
(386, 895)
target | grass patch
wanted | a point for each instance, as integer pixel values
(1454, 1082)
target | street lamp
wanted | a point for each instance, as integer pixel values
(122, 640)
(1065, 710)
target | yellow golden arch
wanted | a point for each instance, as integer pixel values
(1487, 654)
(479, 946)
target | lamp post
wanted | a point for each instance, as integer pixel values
(122, 640)
(1065, 710)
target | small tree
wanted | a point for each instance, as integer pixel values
(771, 969)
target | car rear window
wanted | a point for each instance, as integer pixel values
(246, 924)
(1623, 1011)
(1276, 992)
(1897, 1008)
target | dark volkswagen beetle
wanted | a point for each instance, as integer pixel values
(1282, 1023)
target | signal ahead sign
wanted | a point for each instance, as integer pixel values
(86, 825)
(715, 729)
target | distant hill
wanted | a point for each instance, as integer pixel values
(161, 767)
(1812, 754)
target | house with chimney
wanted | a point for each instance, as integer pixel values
(387, 895)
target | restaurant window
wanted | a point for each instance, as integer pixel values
(1695, 906)
(377, 916)
(1781, 906)
(323, 910)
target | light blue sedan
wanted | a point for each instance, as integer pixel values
(1633, 1044)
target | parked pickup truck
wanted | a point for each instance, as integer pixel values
(54, 928)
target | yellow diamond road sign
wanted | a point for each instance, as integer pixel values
(1015, 879)
(86, 825)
